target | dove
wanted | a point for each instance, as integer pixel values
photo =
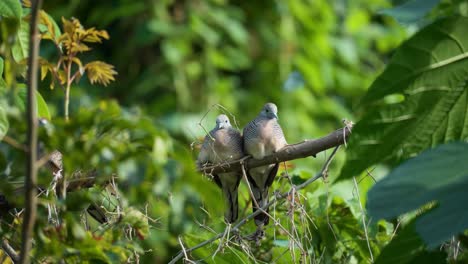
(263, 136)
(223, 144)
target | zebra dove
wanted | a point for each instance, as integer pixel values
(263, 136)
(224, 143)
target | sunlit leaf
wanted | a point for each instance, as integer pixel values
(4, 124)
(45, 67)
(42, 108)
(20, 48)
(53, 31)
(41, 105)
(26, 3)
(10, 9)
(78, 47)
(70, 26)
(92, 35)
(100, 72)
(430, 69)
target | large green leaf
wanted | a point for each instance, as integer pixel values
(21, 47)
(42, 108)
(411, 11)
(440, 175)
(430, 70)
(10, 9)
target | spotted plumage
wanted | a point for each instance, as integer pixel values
(224, 143)
(263, 136)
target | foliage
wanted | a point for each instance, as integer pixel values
(411, 11)
(315, 59)
(408, 247)
(440, 175)
(72, 42)
(419, 102)
(425, 71)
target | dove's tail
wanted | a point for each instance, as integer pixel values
(261, 195)
(229, 188)
(232, 209)
(261, 199)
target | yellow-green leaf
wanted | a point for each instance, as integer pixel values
(53, 31)
(100, 72)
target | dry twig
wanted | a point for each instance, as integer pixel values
(363, 220)
(10, 251)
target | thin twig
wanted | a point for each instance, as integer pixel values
(14, 143)
(363, 219)
(29, 217)
(277, 198)
(225, 237)
(244, 174)
(10, 251)
(183, 249)
(328, 215)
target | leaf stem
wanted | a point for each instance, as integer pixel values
(67, 88)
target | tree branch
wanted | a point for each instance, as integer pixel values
(304, 149)
(10, 251)
(290, 152)
(29, 217)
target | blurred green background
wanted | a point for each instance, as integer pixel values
(177, 60)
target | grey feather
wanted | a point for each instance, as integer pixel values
(223, 144)
(263, 136)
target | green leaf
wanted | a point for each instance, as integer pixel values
(411, 11)
(440, 175)
(48, 24)
(10, 9)
(402, 248)
(21, 47)
(137, 220)
(2, 81)
(433, 257)
(4, 125)
(430, 71)
(42, 108)
(1, 67)
(407, 247)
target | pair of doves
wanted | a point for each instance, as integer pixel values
(261, 137)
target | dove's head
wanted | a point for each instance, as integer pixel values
(222, 121)
(269, 111)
